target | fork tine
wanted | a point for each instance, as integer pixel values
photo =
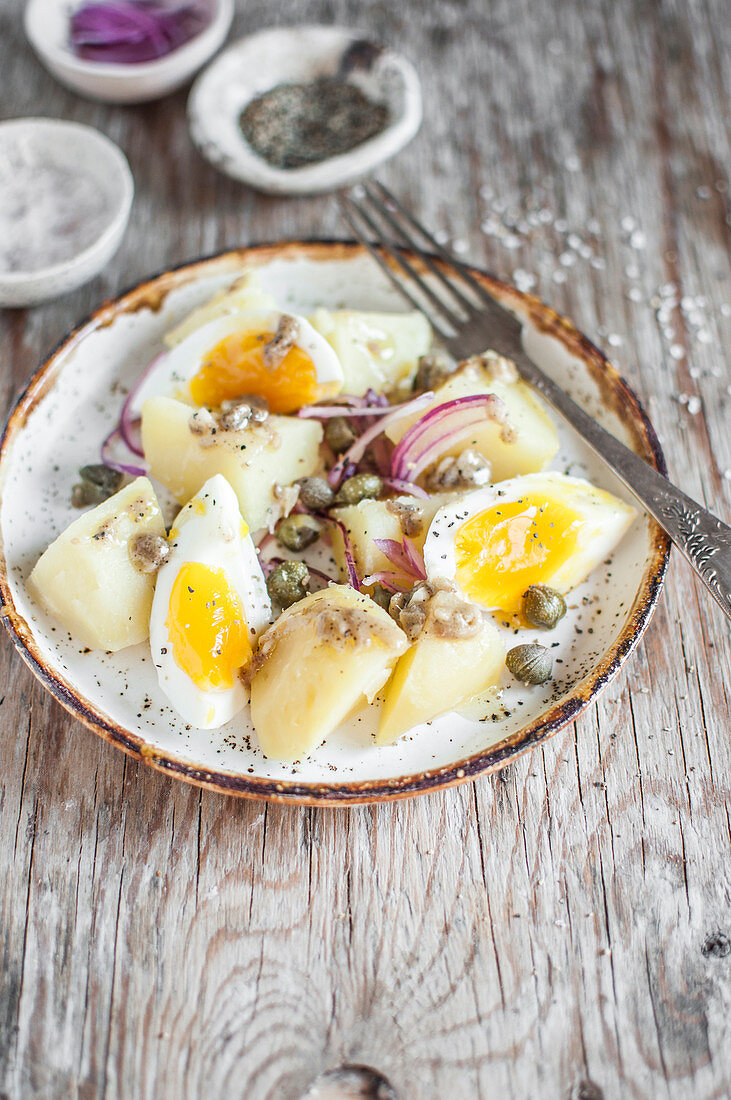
(392, 251)
(344, 203)
(461, 268)
(425, 258)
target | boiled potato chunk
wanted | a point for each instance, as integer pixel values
(323, 657)
(253, 460)
(536, 440)
(245, 293)
(86, 579)
(376, 350)
(437, 675)
(373, 519)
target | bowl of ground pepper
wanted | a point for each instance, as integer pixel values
(297, 110)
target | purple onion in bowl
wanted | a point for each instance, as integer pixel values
(135, 31)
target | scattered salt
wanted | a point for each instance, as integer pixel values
(627, 224)
(459, 246)
(638, 239)
(703, 192)
(561, 225)
(694, 405)
(677, 351)
(572, 163)
(614, 340)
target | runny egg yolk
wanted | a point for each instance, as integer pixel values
(236, 367)
(506, 548)
(207, 627)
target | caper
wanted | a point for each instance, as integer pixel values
(103, 476)
(85, 493)
(531, 663)
(434, 369)
(297, 532)
(543, 606)
(339, 434)
(315, 493)
(357, 488)
(287, 582)
(381, 596)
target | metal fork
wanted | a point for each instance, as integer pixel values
(469, 320)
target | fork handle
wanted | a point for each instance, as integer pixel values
(701, 538)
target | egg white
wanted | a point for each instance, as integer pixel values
(210, 531)
(605, 518)
(172, 373)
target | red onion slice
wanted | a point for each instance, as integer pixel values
(407, 487)
(359, 448)
(107, 456)
(438, 429)
(404, 556)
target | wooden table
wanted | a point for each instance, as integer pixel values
(560, 930)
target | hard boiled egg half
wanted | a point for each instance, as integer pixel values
(543, 528)
(233, 356)
(209, 607)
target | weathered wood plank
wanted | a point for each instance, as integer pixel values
(559, 927)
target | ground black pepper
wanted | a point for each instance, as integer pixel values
(293, 125)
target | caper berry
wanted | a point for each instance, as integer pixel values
(339, 434)
(543, 606)
(85, 493)
(104, 476)
(287, 582)
(315, 493)
(297, 532)
(381, 596)
(531, 663)
(99, 482)
(434, 369)
(357, 488)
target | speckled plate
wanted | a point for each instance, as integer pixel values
(71, 403)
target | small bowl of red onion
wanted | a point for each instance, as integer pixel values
(126, 51)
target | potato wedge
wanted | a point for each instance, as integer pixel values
(86, 579)
(437, 675)
(535, 441)
(373, 519)
(321, 659)
(376, 350)
(254, 460)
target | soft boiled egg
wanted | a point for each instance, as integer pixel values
(278, 356)
(543, 528)
(209, 607)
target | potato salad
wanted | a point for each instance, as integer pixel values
(359, 522)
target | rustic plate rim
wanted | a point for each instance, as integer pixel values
(149, 294)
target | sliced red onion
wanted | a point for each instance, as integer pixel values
(128, 422)
(404, 555)
(439, 428)
(129, 31)
(407, 487)
(358, 449)
(385, 577)
(353, 578)
(115, 436)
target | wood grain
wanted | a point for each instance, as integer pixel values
(560, 929)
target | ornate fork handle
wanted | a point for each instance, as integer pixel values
(702, 538)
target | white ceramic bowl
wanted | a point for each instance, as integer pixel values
(85, 151)
(294, 55)
(47, 26)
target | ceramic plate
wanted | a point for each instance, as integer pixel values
(75, 398)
